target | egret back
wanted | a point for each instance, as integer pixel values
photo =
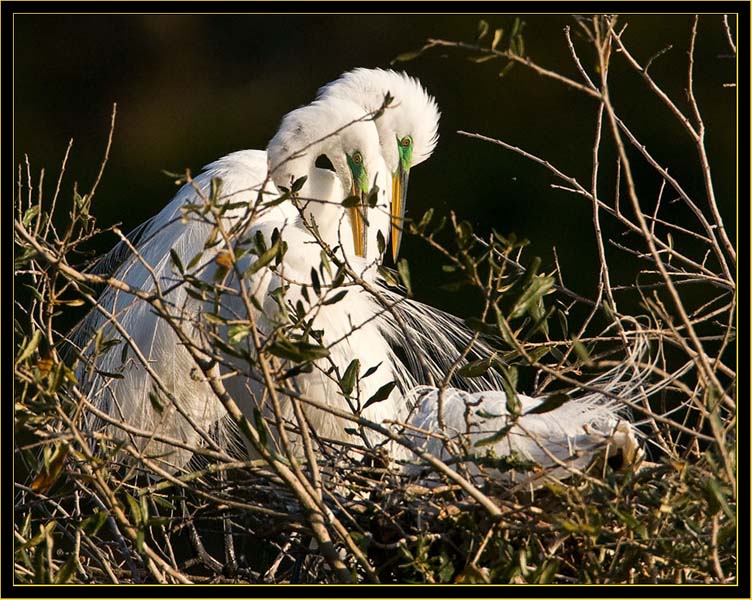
(122, 382)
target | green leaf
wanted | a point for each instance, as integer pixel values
(478, 325)
(496, 437)
(498, 33)
(381, 394)
(380, 242)
(135, 508)
(216, 188)
(406, 56)
(21, 260)
(325, 264)
(237, 333)
(263, 260)
(373, 196)
(140, 538)
(351, 202)
(52, 470)
(31, 346)
(29, 215)
(66, 572)
(156, 403)
(315, 281)
(581, 351)
(546, 572)
(552, 402)
(297, 351)
(176, 261)
(260, 426)
(508, 67)
(476, 368)
(509, 383)
(93, 523)
(424, 220)
(404, 271)
(371, 370)
(388, 276)
(336, 298)
(350, 377)
(298, 184)
(482, 30)
(716, 498)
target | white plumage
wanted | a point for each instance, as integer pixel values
(357, 327)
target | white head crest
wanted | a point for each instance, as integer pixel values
(413, 111)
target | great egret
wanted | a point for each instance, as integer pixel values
(408, 131)
(356, 327)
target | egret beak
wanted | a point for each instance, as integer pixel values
(399, 197)
(358, 221)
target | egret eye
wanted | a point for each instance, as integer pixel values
(406, 141)
(357, 158)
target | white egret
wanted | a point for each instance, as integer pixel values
(304, 134)
(408, 130)
(356, 327)
(430, 339)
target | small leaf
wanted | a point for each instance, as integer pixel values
(67, 571)
(315, 281)
(482, 29)
(496, 437)
(406, 56)
(351, 201)
(478, 325)
(297, 351)
(156, 403)
(404, 271)
(380, 242)
(506, 69)
(373, 196)
(260, 426)
(498, 33)
(93, 523)
(194, 261)
(388, 276)
(176, 261)
(381, 394)
(237, 333)
(74, 303)
(135, 508)
(581, 351)
(371, 370)
(264, 259)
(476, 368)
(350, 377)
(552, 402)
(30, 214)
(298, 184)
(336, 298)
(31, 346)
(51, 472)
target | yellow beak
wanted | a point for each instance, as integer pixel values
(399, 194)
(358, 222)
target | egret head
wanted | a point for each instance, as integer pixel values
(408, 128)
(333, 128)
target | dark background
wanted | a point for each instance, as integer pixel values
(191, 88)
